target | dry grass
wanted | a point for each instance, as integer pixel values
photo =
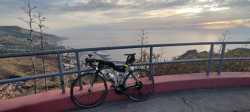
(23, 66)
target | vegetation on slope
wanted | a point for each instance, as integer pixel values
(232, 66)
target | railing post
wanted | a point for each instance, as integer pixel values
(221, 59)
(210, 56)
(151, 61)
(60, 68)
(78, 65)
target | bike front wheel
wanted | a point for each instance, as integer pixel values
(93, 92)
(139, 85)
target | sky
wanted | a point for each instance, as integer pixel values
(91, 23)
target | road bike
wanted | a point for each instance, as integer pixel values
(90, 88)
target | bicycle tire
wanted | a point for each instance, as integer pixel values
(137, 93)
(75, 95)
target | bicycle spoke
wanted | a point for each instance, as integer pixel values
(139, 85)
(93, 92)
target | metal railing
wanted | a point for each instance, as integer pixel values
(61, 73)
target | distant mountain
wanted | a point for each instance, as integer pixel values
(193, 54)
(14, 38)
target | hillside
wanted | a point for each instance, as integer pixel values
(14, 39)
(229, 66)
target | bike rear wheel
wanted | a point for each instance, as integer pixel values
(93, 92)
(139, 85)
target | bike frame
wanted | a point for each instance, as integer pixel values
(120, 79)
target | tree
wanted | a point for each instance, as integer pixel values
(41, 19)
(28, 10)
(30, 20)
(225, 36)
(142, 41)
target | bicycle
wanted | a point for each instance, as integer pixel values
(135, 83)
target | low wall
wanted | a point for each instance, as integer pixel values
(55, 101)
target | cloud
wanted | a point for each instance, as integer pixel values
(63, 14)
(89, 5)
(236, 3)
(172, 12)
(103, 5)
(227, 24)
(76, 19)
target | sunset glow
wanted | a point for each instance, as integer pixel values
(120, 19)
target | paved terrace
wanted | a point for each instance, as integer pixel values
(203, 100)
